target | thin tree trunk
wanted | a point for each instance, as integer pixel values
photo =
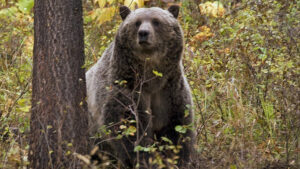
(59, 118)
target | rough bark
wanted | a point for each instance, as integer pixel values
(59, 121)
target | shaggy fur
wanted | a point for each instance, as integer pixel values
(122, 85)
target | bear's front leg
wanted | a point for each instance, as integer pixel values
(144, 135)
(181, 115)
(117, 115)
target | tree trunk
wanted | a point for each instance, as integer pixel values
(59, 113)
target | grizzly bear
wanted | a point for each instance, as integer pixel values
(139, 81)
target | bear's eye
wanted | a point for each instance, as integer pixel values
(138, 23)
(155, 22)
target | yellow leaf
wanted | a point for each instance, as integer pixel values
(214, 9)
(204, 35)
(132, 130)
(204, 29)
(224, 51)
(110, 1)
(157, 73)
(101, 3)
(219, 10)
(134, 4)
(85, 159)
(123, 127)
(105, 14)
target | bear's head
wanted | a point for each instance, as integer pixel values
(151, 31)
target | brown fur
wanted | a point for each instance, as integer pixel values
(158, 102)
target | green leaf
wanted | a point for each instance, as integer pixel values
(8, 12)
(138, 148)
(180, 129)
(119, 137)
(147, 149)
(131, 130)
(233, 166)
(24, 109)
(25, 5)
(167, 140)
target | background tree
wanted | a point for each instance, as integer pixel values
(58, 121)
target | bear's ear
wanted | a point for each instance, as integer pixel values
(124, 12)
(174, 10)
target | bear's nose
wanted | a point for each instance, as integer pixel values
(143, 35)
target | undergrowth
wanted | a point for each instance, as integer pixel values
(243, 68)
